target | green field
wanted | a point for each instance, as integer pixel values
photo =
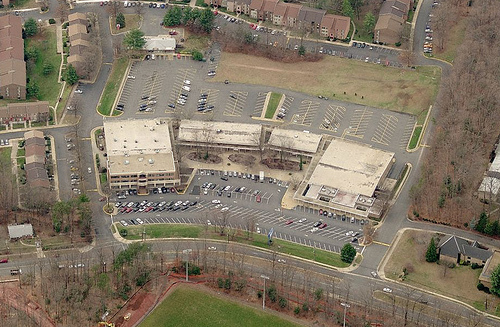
(194, 231)
(45, 42)
(272, 105)
(112, 86)
(188, 307)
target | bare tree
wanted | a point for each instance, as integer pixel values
(407, 57)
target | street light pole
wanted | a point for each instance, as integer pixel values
(345, 305)
(264, 293)
(187, 252)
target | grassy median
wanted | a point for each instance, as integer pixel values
(197, 231)
(272, 105)
(105, 106)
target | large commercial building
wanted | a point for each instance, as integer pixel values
(140, 155)
(227, 136)
(345, 179)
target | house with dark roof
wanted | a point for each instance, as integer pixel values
(12, 65)
(457, 250)
(79, 41)
(36, 173)
(391, 19)
(21, 111)
(310, 18)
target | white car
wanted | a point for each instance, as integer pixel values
(387, 290)
(205, 192)
(258, 230)
(374, 274)
(281, 260)
(89, 170)
(78, 91)
(139, 220)
(186, 88)
(216, 201)
(224, 209)
(187, 82)
(302, 220)
(349, 233)
(212, 248)
(131, 77)
(314, 229)
(124, 223)
(209, 223)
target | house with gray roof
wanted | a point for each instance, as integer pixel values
(20, 231)
(457, 249)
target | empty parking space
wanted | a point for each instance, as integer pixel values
(235, 103)
(333, 117)
(385, 129)
(405, 138)
(306, 112)
(359, 122)
(259, 104)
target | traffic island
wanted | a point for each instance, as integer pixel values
(271, 106)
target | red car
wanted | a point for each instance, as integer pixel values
(258, 198)
(288, 222)
(4, 260)
(320, 212)
(323, 226)
(251, 26)
(129, 210)
(148, 209)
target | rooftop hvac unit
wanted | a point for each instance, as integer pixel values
(151, 161)
(126, 162)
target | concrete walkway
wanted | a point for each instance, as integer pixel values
(59, 39)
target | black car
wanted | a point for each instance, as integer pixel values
(209, 108)
(171, 105)
(144, 97)
(318, 223)
(233, 96)
(224, 178)
(155, 191)
(193, 203)
(150, 5)
(133, 221)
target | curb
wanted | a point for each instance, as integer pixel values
(119, 238)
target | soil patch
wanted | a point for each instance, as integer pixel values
(242, 159)
(276, 163)
(211, 159)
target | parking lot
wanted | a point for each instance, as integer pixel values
(158, 88)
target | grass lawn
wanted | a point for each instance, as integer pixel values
(410, 91)
(193, 41)
(272, 105)
(459, 282)
(21, 152)
(193, 231)
(45, 41)
(455, 39)
(414, 138)
(5, 157)
(189, 307)
(131, 21)
(104, 178)
(112, 86)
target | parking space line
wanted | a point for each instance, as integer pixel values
(385, 129)
(333, 117)
(359, 123)
(306, 112)
(235, 104)
(259, 104)
(407, 133)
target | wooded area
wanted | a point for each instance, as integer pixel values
(466, 128)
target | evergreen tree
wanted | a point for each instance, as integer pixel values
(481, 224)
(120, 19)
(431, 254)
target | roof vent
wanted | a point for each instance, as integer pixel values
(140, 159)
(124, 146)
(151, 161)
(295, 136)
(136, 141)
(126, 162)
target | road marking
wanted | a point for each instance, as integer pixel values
(381, 243)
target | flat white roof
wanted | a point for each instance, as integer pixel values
(351, 167)
(17, 231)
(490, 185)
(495, 165)
(138, 145)
(160, 43)
(220, 133)
(295, 140)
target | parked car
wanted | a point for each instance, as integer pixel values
(387, 290)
